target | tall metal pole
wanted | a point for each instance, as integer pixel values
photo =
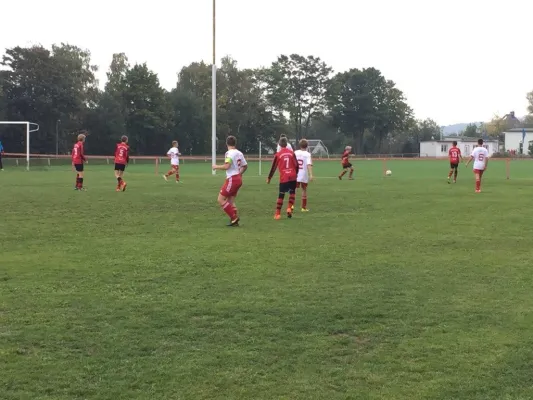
(214, 94)
(57, 136)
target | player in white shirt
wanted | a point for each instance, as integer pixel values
(480, 156)
(288, 144)
(235, 165)
(174, 154)
(305, 171)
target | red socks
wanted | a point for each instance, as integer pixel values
(230, 210)
(304, 201)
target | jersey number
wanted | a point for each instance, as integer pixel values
(239, 162)
(300, 164)
(121, 153)
(480, 157)
(287, 161)
(75, 152)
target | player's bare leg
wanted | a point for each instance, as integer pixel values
(450, 174)
(177, 174)
(350, 177)
(455, 175)
(229, 209)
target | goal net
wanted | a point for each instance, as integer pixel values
(317, 148)
(28, 127)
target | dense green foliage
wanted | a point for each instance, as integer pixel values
(297, 95)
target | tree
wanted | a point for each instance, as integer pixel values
(148, 115)
(45, 86)
(471, 130)
(354, 101)
(392, 113)
(298, 85)
(529, 97)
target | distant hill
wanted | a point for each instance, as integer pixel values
(456, 128)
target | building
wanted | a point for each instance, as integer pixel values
(513, 140)
(439, 148)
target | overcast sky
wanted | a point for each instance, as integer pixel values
(455, 60)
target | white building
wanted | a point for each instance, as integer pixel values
(439, 148)
(513, 139)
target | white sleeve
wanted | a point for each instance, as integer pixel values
(310, 160)
(169, 152)
(243, 160)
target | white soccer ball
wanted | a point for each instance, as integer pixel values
(388, 172)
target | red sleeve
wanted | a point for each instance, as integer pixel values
(82, 152)
(127, 154)
(116, 151)
(273, 168)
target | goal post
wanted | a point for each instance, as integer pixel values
(29, 129)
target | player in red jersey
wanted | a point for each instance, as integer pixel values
(454, 154)
(122, 158)
(345, 162)
(287, 163)
(78, 159)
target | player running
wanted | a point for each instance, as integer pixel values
(345, 162)
(305, 171)
(235, 166)
(480, 156)
(174, 154)
(286, 162)
(288, 144)
(78, 159)
(122, 158)
(455, 157)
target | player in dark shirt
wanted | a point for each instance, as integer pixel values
(287, 164)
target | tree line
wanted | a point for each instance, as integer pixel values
(300, 96)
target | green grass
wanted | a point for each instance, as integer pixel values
(390, 288)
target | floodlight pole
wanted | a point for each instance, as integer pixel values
(214, 95)
(57, 136)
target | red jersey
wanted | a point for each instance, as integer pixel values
(122, 153)
(78, 157)
(287, 163)
(345, 157)
(454, 153)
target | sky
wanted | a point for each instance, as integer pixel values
(455, 60)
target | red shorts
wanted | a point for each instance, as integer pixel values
(231, 186)
(302, 185)
(175, 167)
(479, 171)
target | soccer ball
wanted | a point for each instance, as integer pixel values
(388, 173)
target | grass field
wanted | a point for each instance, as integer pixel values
(390, 288)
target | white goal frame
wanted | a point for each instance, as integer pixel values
(28, 131)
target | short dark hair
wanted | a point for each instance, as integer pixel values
(282, 136)
(304, 144)
(480, 141)
(454, 142)
(231, 141)
(124, 139)
(283, 142)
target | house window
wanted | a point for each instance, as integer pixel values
(467, 148)
(443, 148)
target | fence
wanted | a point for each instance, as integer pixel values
(50, 160)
